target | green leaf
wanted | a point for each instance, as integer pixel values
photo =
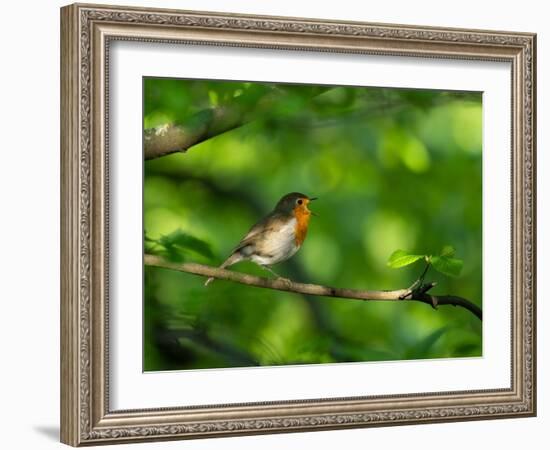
(401, 258)
(447, 266)
(151, 248)
(448, 251)
(147, 238)
(185, 241)
(173, 254)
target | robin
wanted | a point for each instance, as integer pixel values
(277, 237)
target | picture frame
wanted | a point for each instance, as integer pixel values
(87, 32)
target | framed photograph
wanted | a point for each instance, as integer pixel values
(275, 225)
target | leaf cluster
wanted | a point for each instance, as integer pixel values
(445, 262)
(178, 246)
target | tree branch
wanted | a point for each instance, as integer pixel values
(210, 122)
(172, 138)
(419, 294)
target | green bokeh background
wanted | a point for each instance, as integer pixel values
(393, 169)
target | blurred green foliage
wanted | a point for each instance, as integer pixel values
(394, 169)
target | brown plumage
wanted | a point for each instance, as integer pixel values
(276, 237)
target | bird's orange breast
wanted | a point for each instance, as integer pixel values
(302, 221)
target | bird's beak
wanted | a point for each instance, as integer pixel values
(312, 213)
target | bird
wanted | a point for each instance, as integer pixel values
(275, 238)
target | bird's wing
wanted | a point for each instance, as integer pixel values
(267, 224)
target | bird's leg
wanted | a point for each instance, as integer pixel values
(279, 277)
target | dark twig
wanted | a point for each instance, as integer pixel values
(417, 283)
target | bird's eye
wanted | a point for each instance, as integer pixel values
(299, 201)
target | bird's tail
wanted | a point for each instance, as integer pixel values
(233, 259)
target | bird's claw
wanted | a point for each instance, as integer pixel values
(286, 281)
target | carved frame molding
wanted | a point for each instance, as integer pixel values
(86, 32)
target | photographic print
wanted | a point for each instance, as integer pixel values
(291, 224)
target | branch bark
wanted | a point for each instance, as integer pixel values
(172, 138)
(418, 294)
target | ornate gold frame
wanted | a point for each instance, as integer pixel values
(86, 31)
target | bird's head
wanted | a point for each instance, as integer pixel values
(295, 203)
